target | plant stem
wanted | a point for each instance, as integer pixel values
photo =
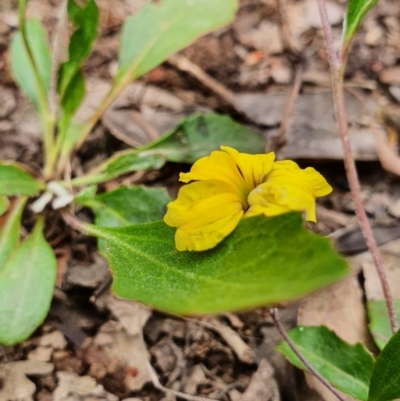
(274, 315)
(337, 72)
(87, 128)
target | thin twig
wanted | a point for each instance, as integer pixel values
(147, 127)
(280, 139)
(159, 386)
(351, 171)
(274, 315)
(184, 64)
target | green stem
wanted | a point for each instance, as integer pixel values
(116, 89)
(88, 180)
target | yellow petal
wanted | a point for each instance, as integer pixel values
(272, 198)
(253, 168)
(205, 212)
(288, 187)
(270, 210)
(318, 182)
(208, 234)
(309, 177)
(218, 166)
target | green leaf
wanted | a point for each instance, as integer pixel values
(128, 205)
(128, 163)
(379, 323)
(160, 30)
(264, 261)
(198, 135)
(385, 379)
(356, 11)
(71, 137)
(4, 204)
(26, 288)
(347, 367)
(71, 84)
(21, 66)
(14, 181)
(73, 97)
(121, 164)
(9, 233)
(86, 20)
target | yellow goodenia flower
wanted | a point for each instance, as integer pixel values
(229, 185)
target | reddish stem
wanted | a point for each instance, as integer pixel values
(337, 69)
(291, 344)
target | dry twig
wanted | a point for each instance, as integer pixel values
(280, 139)
(184, 64)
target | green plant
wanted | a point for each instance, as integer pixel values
(245, 263)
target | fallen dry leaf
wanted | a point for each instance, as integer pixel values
(15, 384)
(263, 386)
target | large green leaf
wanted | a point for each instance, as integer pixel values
(198, 135)
(385, 379)
(128, 205)
(21, 66)
(26, 288)
(4, 204)
(9, 233)
(264, 261)
(160, 30)
(14, 181)
(356, 11)
(347, 367)
(379, 323)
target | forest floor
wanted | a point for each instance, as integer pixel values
(95, 347)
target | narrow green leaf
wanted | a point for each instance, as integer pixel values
(356, 11)
(379, 323)
(71, 133)
(21, 66)
(14, 181)
(347, 367)
(198, 135)
(385, 379)
(122, 164)
(86, 20)
(128, 163)
(73, 97)
(4, 204)
(128, 205)
(26, 288)
(160, 30)
(9, 233)
(264, 261)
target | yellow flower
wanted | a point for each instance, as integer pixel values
(229, 185)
